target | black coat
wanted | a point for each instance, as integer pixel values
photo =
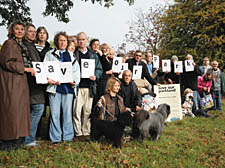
(190, 79)
(135, 97)
(145, 74)
(173, 76)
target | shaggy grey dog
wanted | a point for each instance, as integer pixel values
(154, 122)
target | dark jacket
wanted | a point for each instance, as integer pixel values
(135, 97)
(98, 69)
(37, 91)
(45, 50)
(173, 76)
(190, 79)
(14, 91)
(145, 74)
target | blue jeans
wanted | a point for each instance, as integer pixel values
(36, 111)
(58, 102)
(217, 100)
(196, 99)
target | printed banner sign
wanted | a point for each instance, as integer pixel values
(170, 94)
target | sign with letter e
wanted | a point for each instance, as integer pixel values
(87, 68)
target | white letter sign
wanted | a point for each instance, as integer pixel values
(53, 70)
(189, 65)
(87, 68)
(178, 66)
(39, 68)
(166, 67)
(155, 61)
(66, 72)
(117, 63)
(137, 71)
(123, 68)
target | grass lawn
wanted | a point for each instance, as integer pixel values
(191, 142)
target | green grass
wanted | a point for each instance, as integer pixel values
(191, 142)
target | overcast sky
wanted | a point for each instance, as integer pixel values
(107, 24)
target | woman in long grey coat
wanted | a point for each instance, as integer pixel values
(14, 91)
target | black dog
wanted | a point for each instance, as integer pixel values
(112, 130)
(154, 122)
(139, 117)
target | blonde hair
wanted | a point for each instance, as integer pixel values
(110, 83)
(188, 90)
(104, 45)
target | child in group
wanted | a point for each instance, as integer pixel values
(188, 107)
(204, 86)
(148, 100)
(187, 103)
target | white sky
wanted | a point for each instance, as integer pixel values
(107, 24)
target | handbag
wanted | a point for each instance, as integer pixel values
(206, 102)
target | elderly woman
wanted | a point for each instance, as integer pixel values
(14, 104)
(61, 95)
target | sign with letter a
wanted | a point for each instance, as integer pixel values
(53, 70)
(66, 72)
(166, 67)
(39, 68)
(155, 61)
(117, 63)
(189, 65)
(87, 68)
(178, 66)
(137, 71)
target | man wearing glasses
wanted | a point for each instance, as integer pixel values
(137, 61)
(205, 65)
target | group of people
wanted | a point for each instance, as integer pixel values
(23, 101)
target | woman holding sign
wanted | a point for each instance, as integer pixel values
(106, 61)
(61, 94)
(15, 103)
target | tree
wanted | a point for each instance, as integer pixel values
(144, 30)
(195, 27)
(11, 10)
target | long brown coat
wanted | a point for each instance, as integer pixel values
(14, 93)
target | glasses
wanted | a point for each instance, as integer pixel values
(137, 55)
(205, 60)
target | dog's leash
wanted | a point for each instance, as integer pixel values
(107, 112)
